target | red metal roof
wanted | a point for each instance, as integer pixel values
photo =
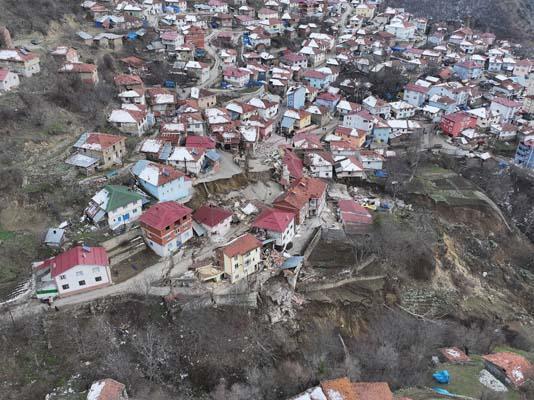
(294, 164)
(241, 245)
(105, 140)
(79, 255)
(203, 142)
(516, 367)
(164, 214)
(211, 216)
(273, 220)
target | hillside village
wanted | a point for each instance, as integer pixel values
(313, 104)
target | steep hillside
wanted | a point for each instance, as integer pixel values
(507, 19)
(29, 16)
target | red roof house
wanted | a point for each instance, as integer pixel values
(215, 220)
(453, 124)
(166, 226)
(277, 224)
(292, 168)
(76, 270)
(510, 368)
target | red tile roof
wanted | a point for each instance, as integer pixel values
(516, 367)
(454, 355)
(75, 256)
(241, 245)
(372, 391)
(164, 214)
(211, 216)
(125, 79)
(202, 142)
(106, 389)
(105, 140)
(507, 102)
(80, 68)
(339, 389)
(314, 188)
(273, 220)
(412, 87)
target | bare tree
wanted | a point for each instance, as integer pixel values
(151, 346)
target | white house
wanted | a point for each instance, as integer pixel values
(276, 224)
(188, 159)
(118, 205)
(215, 221)
(360, 120)
(402, 109)
(403, 30)
(8, 80)
(320, 163)
(349, 167)
(505, 108)
(131, 118)
(74, 271)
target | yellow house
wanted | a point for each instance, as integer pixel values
(241, 257)
(365, 10)
(305, 119)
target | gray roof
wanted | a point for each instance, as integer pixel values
(80, 160)
(54, 236)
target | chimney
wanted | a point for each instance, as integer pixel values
(5, 38)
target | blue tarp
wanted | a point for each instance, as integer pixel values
(381, 173)
(444, 392)
(441, 376)
(292, 262)
(132, 35)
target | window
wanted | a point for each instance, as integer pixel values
(98, 279)
(63, 277)
(81, 283)
(65, 287)
(79, 273)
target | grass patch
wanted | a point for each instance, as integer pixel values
(464, 380)
(6, 235)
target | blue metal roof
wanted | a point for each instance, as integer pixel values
(213, 155)
(166, 151)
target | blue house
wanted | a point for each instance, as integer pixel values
(162, 182)
(381, 133)
(524, 155)
(296, 97)
(468, 70)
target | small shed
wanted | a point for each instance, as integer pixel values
(55, 237)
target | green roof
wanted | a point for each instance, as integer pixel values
(120, 196)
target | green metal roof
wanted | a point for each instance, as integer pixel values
(119, 196)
